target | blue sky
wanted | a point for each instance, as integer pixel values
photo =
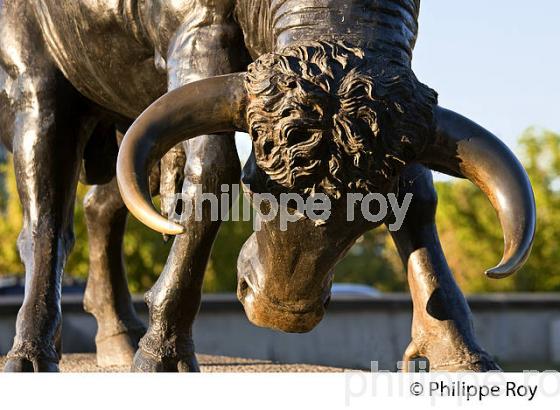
(494, 61)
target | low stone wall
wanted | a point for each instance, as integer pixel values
(516, 328)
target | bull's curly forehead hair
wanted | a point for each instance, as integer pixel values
(327, 117)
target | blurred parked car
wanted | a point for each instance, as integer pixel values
(354, 289)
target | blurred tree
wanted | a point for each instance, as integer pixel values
(10, 221)
(221, 272)
(374, 261)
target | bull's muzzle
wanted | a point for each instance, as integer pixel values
(297, 317)
(265, 306)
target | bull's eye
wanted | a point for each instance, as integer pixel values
(267, 147)
(285, 113)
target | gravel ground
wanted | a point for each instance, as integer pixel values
(85, 363)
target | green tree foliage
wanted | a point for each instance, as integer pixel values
(221, 272)
(467, 224)
(374, 261)
(10, 221)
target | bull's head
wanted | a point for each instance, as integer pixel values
(323, 118)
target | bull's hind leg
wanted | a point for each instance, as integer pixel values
(107, 296)
(442, 329)
(39, 120)
(47, 153)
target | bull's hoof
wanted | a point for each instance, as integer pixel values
(479, 363)
(21, 364)
(146, 362)
(450, 358)
(119, 349)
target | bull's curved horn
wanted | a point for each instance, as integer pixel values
(463, 148)
(203, 107)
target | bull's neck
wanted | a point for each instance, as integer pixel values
(387, 26)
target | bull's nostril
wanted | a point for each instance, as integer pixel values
(243, 287)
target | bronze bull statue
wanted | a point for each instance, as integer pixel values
(325, 90)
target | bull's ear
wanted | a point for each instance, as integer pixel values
(463, 148)
(208, 106)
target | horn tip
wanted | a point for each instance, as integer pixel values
(174, 229)
(501, 271)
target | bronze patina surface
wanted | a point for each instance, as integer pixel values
(326, 91)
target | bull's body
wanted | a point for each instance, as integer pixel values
(93, 41)
(120, 56)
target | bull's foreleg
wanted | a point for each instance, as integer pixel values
(442, 329)
(107, 296)
(211, 161)
(175, 298)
